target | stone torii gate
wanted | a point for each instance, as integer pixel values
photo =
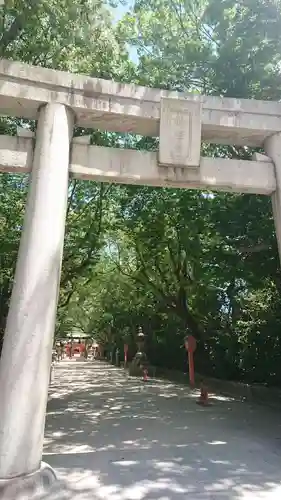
(59, 101)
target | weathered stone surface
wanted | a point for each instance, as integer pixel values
(27, 348)
(272, 147)
(82, 139)
(180, 133)
(16, 154)
(141, 167)
(130, 108)
(24, 132)
(261, 157)
(28, 486)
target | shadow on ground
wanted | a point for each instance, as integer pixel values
(113, 437)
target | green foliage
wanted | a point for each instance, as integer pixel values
(69, 35)
(171, 261)
(12, 200)
(73, 35)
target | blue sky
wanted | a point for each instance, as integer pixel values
(121, 9)
(118, 12)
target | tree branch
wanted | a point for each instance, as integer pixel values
(67, 300)
(70, 199)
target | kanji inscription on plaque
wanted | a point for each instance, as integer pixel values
(180, 132)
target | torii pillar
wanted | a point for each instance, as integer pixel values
(27, 349)
(272, 147)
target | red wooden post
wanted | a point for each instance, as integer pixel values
(190, 346)
(125, 353)
(191, 368)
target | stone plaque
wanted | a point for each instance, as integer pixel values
(180, 132)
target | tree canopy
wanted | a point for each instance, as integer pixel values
(169, 260)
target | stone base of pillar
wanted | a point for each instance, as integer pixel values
(29, 486)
